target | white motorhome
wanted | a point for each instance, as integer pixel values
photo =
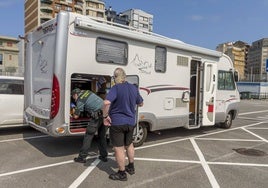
(182, 85)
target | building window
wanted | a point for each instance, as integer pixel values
(160, 59)
(100, 15)
(1, 59)
(135, 17)
(226, 80)
(1, 43)
(135, 24)
(111, 51)
(10, 57)
(9, 44)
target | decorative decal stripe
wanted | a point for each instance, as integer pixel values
(232, 99)
(41, 90)
(146, 89)
(163, 89)
(159, 86)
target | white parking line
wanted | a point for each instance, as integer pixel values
(84, 175)
(238, 164)
(258, 128)
(204, 164)
(26, 138)
(198, 136)
(248, 118)
(255, 112)
(263, 139)
(35, 168)
(166, 160)
(223, 139)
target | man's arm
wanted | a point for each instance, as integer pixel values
(106, 107)
(105, 112)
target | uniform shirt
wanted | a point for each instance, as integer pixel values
(123, 97)
(88, 101)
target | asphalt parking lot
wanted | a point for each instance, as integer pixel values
(206, 157)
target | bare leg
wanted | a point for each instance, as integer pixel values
(120, 157)
(130, 153)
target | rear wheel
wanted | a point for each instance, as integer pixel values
(228, 121)
(141, 135)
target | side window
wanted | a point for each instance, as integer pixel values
(160, 59)
(226, 80)
(111, 51)
(13, 87)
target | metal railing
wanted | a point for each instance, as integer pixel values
(253, 95)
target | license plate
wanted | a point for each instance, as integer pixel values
(37, 120)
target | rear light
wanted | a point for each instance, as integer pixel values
(210, 108)
(55, 98)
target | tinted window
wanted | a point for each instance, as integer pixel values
(14, 87)
(226, 80)
(111, 51)
(160, 59)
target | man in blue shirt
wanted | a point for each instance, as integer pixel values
(119, 113)
(92, 104)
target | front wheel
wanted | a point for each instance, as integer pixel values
(141, 135)
(228, 121)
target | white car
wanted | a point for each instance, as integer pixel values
(11, 100)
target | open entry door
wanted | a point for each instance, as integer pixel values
(208, 93)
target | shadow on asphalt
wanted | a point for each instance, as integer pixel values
(62, 146)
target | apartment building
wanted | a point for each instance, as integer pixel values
(257, 56)
(139, 19)
(40, 11)
(94, 8)
(238, 52)
(9, 56)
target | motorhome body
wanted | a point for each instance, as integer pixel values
(182, 85)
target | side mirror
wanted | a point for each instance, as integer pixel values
(236, 76)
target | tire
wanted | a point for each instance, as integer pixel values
(141, 135)
(228, 121)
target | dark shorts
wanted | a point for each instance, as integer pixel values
(121, 135)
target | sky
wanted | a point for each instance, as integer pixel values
(204, 23)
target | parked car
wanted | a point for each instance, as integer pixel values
(11, 100)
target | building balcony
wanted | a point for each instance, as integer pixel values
(45, 15)
(46, 8)
(95, 9)
(47, 1)
(96, 1)
(78, 7)
(79, 11)
(63, 2)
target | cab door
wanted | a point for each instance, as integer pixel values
(208, 93)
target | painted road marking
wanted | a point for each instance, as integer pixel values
(255, 112)
(204, 164)
(26, 138)
(84, 175)
(263, 139)
(202, 161)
